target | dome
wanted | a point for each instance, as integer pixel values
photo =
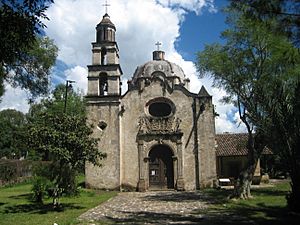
(159, 65)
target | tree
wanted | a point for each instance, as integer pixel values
(280, 101)
(67, 139)
(55, 103)
(26, 58)
(12, 134)
(285, 12)
(62, 138)
(252, 56)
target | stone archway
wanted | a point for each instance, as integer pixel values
(161, 167)
(150, 143)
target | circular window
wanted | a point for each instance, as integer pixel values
(160, 107)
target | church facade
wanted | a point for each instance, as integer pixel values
(158, 135)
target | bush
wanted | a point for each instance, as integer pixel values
(52, 180)
(40, 188)
(14, 171)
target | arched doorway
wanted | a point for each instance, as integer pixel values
(161, 169)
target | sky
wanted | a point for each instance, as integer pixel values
(183, 27)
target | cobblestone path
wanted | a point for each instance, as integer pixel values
(163, 207)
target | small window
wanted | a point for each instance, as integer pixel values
(160, 107)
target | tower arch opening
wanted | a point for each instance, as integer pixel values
(103, 84)
(103, 56)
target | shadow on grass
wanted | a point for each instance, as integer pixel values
(35, 208)
(22, 196)
(244, 212)
(262, 214)
(268, 192)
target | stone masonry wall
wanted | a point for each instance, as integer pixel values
(107, 176)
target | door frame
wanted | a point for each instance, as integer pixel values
(145, 142)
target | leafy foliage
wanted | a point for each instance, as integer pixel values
(279, 99)
(40, 186)
(285, 12)
(258, 66)
(12, 134)
(66, 137)
(26, 58)
(63, 138)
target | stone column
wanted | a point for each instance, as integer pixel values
(141, 183)
(175, 166)
(146, 169)
(180, 180)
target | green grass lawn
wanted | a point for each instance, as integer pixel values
(268, 206)
(16, 207)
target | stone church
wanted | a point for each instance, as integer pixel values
(158, 135)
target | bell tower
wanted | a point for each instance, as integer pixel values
(104, 105)
(104, 75)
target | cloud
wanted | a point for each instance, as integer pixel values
(191, 5)
(140, 24)
(14, 98)
(225, 122)
(79, 75)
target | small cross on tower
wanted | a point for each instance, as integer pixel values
(158, 44)
(106, 6)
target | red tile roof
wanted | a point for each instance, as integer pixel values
(234, 144)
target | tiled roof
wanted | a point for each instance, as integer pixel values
(234, 144)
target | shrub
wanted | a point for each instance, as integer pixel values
(14, 171)
(40, 188)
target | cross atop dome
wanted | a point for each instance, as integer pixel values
(106, 6)
(158, 44)
(158, 54)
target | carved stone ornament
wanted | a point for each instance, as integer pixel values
(151, 125)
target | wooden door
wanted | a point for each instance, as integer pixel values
(157, 173)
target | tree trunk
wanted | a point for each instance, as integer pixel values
(293, 198)
(242, 185)
(255, 146)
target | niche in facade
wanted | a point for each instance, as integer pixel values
(160, 107)
(102, 125)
